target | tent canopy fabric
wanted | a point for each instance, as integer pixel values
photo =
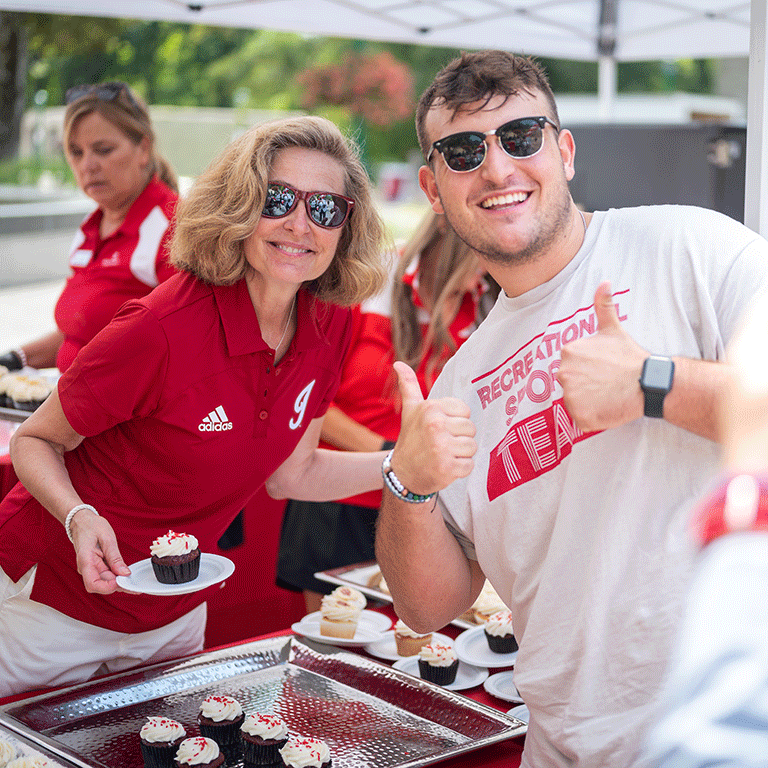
(626, 30)
(607, 31)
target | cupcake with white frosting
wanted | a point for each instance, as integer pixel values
(199, 751)
(338, 617)
(160, 738)
(175, 558)
(499, 632)
(438, 663)
(220, 718)
(351, 595)
(305, 752)
(262, 736)
(409, 642)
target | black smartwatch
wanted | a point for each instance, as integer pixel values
(655, 381)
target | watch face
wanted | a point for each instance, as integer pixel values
(657, 373)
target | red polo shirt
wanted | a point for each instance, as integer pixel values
(106, 273)
(185, 416)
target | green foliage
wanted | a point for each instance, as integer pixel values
(28, 171)
(198, 65)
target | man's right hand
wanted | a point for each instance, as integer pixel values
(436, 442)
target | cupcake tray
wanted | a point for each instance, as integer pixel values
(14, 414)
(370, 715)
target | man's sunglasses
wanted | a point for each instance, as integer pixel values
(101, 91)
(466, 151)
(326, 209)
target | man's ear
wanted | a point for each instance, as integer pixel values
(568, 152)
(429, 186)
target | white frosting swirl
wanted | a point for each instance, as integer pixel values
(335, 609)
(488, 601)
(264, 726)
(402, 629)
(303, 752)
(219, 708)
(499, 624)
(351, 595)
(161, 729)
(438, 655)
(172, 544)
(7, 751)
(198, 750)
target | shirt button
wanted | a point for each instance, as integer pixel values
(268, 369)
(263, 415)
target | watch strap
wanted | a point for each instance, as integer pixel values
(654, 403)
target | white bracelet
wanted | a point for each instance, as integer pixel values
(396, 488)
(72, 512)
(22, 355)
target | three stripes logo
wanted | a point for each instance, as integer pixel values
(215, 421)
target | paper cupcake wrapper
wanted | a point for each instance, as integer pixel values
(177, 574)
(159, 756)
(262, 754)
(501, 643)
(439, 675)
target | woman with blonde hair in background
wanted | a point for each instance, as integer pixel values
(435, 298)
(121, 249)
(187, 403)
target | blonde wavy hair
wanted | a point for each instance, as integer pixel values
(224, 206)
(454, 265)
(129, 114)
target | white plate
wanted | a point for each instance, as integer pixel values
(472, 647)
(386, 648)
(375, 620)
(502, 686)
(369, 629)
(467, 676)
(213, 569)
(520, 712)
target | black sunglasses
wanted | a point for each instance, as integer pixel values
(102, 91)
(466, 151)
(326, 209)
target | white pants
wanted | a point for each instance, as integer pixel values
(40, 646)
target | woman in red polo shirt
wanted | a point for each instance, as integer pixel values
(121, 249)
(276, 239)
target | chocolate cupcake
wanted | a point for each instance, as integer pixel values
(262, 738)
(499, 633)
(175, 558)
(199, 751)
(438, 663)
(220, 719)
(305, 752)
(160, 738)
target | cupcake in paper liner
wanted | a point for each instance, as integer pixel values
(438, 663)
(175, 558)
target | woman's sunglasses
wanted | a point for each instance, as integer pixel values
(326, 209)
(101, 91)
(466, 151)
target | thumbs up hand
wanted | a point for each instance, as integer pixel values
(600, 374)
(436, 442)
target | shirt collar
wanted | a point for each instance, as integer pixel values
(241, 326)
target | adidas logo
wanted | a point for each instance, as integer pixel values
(215, 421)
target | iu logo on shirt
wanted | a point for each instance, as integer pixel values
(215, 421)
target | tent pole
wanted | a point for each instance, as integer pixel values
(756, 182)
(606, 87)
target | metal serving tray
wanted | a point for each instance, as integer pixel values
(369, 714)
(357, 576)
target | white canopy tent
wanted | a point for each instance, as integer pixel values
(607, 31)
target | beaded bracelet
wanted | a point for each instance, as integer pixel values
(397, 488)
(22, 355)
(72, 512)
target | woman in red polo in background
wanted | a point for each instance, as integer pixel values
(276, 238)
(121, 249)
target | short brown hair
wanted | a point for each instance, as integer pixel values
(224, 206)
(474, 77)
(129, 114)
